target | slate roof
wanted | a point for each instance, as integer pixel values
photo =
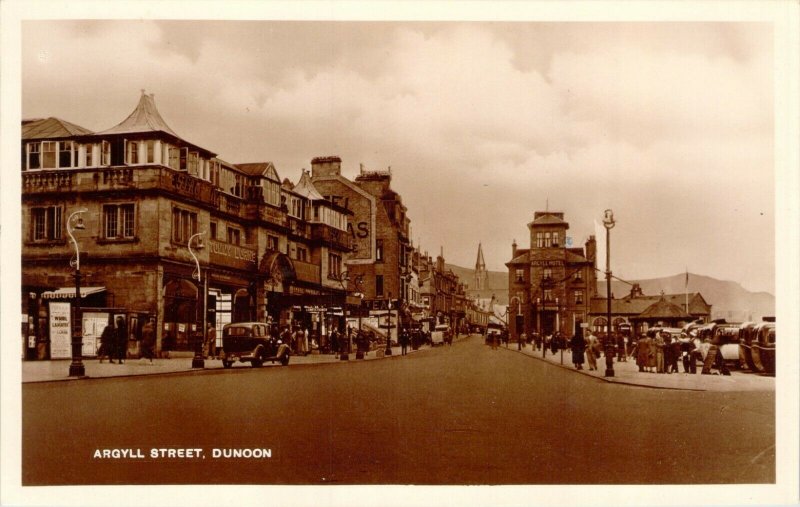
(51, 128)
(259, 169)
(637, 305)
(663, 309)
(521, 258)
(549, 220)
(145, 118)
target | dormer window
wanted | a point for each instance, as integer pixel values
(150, 152)
(33, 155)
(105, 153)
(48, 157)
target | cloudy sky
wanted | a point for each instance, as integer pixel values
(668, 124)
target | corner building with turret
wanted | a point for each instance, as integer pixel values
(550, 285)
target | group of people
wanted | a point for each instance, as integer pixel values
(591, 348)
(114, 341)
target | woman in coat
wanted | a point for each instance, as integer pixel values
(578, 345)
(643, 353)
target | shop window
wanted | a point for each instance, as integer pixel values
(118, 221)
(184, 225)
(46, 223)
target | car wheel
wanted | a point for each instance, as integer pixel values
(227, 364)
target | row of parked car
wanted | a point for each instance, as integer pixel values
(748, 345)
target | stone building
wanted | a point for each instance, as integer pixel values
(550, 285)
(264, 251)
(380, 262)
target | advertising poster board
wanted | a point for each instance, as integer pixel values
(60, 330)
(93, 325)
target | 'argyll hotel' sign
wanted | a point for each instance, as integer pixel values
(231, 255)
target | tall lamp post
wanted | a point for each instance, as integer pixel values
(76, 368)
(608, 223)
(388, 351)
(198, 361)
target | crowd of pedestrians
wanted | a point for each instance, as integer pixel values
(654, 352)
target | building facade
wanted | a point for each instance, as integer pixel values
(155, 208)
(550, 285)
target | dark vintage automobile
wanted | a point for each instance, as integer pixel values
(763, 350)
(250, 341)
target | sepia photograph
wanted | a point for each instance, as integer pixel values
(428, 253)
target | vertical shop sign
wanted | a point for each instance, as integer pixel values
(60, 331)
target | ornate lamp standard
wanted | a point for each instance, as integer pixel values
(198, 361)
(608, 223)
(76, 368)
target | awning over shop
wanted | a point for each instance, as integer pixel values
(69, 292)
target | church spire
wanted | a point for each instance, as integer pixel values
(481, 276)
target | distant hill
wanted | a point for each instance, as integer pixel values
(729, 300)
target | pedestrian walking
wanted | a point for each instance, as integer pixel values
(404, 342)
(643, 353)
(621, 349)
(107, 343)
(688, 356)
(652, 360)
(592, 350)
(555, 342)
(211, 341)
(675, 355)
(521, 341)
(148, 340)
(121, 339)
(578, 345)
(659, 353)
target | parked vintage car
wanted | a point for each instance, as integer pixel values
(763, 348)
(723, 334)
(250, 341)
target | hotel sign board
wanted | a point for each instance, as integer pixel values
(547, 263)
(233, 256)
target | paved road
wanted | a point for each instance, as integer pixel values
(459, 415)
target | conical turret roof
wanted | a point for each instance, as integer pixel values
(145, 118)
(307, 189)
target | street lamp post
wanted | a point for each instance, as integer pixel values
(76, 367)
(198, 361)
(388, 351)
(608, 223)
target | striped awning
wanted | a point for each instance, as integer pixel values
(69, 292)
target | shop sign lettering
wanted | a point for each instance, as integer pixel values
(232, 255)
(60, 331)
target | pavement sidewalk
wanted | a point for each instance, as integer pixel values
(626, 372)
(58, 370)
